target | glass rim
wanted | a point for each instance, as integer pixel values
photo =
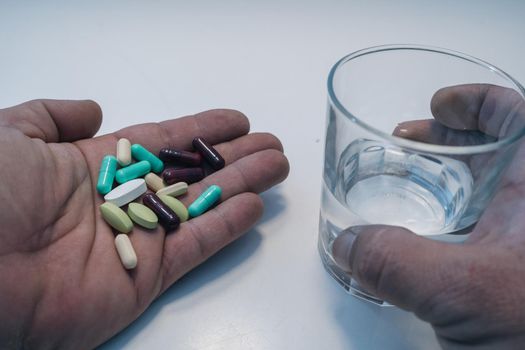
(416, 145)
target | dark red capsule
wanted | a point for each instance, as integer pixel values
(167, 217)
(170, 155)
(209, 153)
(187, 175)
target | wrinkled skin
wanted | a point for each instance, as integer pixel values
(62, 283)
(472, 293)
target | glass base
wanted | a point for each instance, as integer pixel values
(345, 280)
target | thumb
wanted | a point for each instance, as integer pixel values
(54, 120)
(396, 265)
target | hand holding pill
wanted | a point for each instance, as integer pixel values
(71, 280)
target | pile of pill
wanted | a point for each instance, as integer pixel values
(160, 205)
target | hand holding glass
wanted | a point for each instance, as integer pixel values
(416, 137)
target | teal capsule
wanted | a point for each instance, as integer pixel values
(106, 174)
(205, 200)
(140, 153)
(132, 171)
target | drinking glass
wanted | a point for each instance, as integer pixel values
(417, 137)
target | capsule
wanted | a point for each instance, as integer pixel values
(187, 175)
(140, 153)
(209, 153)
(124, 152)
(170, 155)
(205, 201)
(106, 174)
(167, 217)
(132, 171)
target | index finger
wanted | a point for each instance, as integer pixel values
(491, 109)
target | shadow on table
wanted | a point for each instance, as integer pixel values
(368, 326)
(225, 260)
(274, 204)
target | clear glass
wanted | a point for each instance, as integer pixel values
(401, 151)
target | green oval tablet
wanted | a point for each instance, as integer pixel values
(142, 215)
(176, 206)
(116, 217)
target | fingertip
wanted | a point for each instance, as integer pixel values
(387, 261)
(241, 118)
(373, 250)
(444, 105)
(277, 163)
(270, 140)
(88, 116)
(96, 112)
(342, 247)
(439, 98)
(284, 165)
(458, 106)
(77, 119)
(417, 130)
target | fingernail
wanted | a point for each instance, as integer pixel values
(401, 130)
(342, 248)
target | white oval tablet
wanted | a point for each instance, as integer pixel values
(125, 251)
(126, 192)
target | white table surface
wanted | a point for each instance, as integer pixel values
(153, 60)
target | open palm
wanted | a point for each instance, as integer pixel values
(62, 283)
